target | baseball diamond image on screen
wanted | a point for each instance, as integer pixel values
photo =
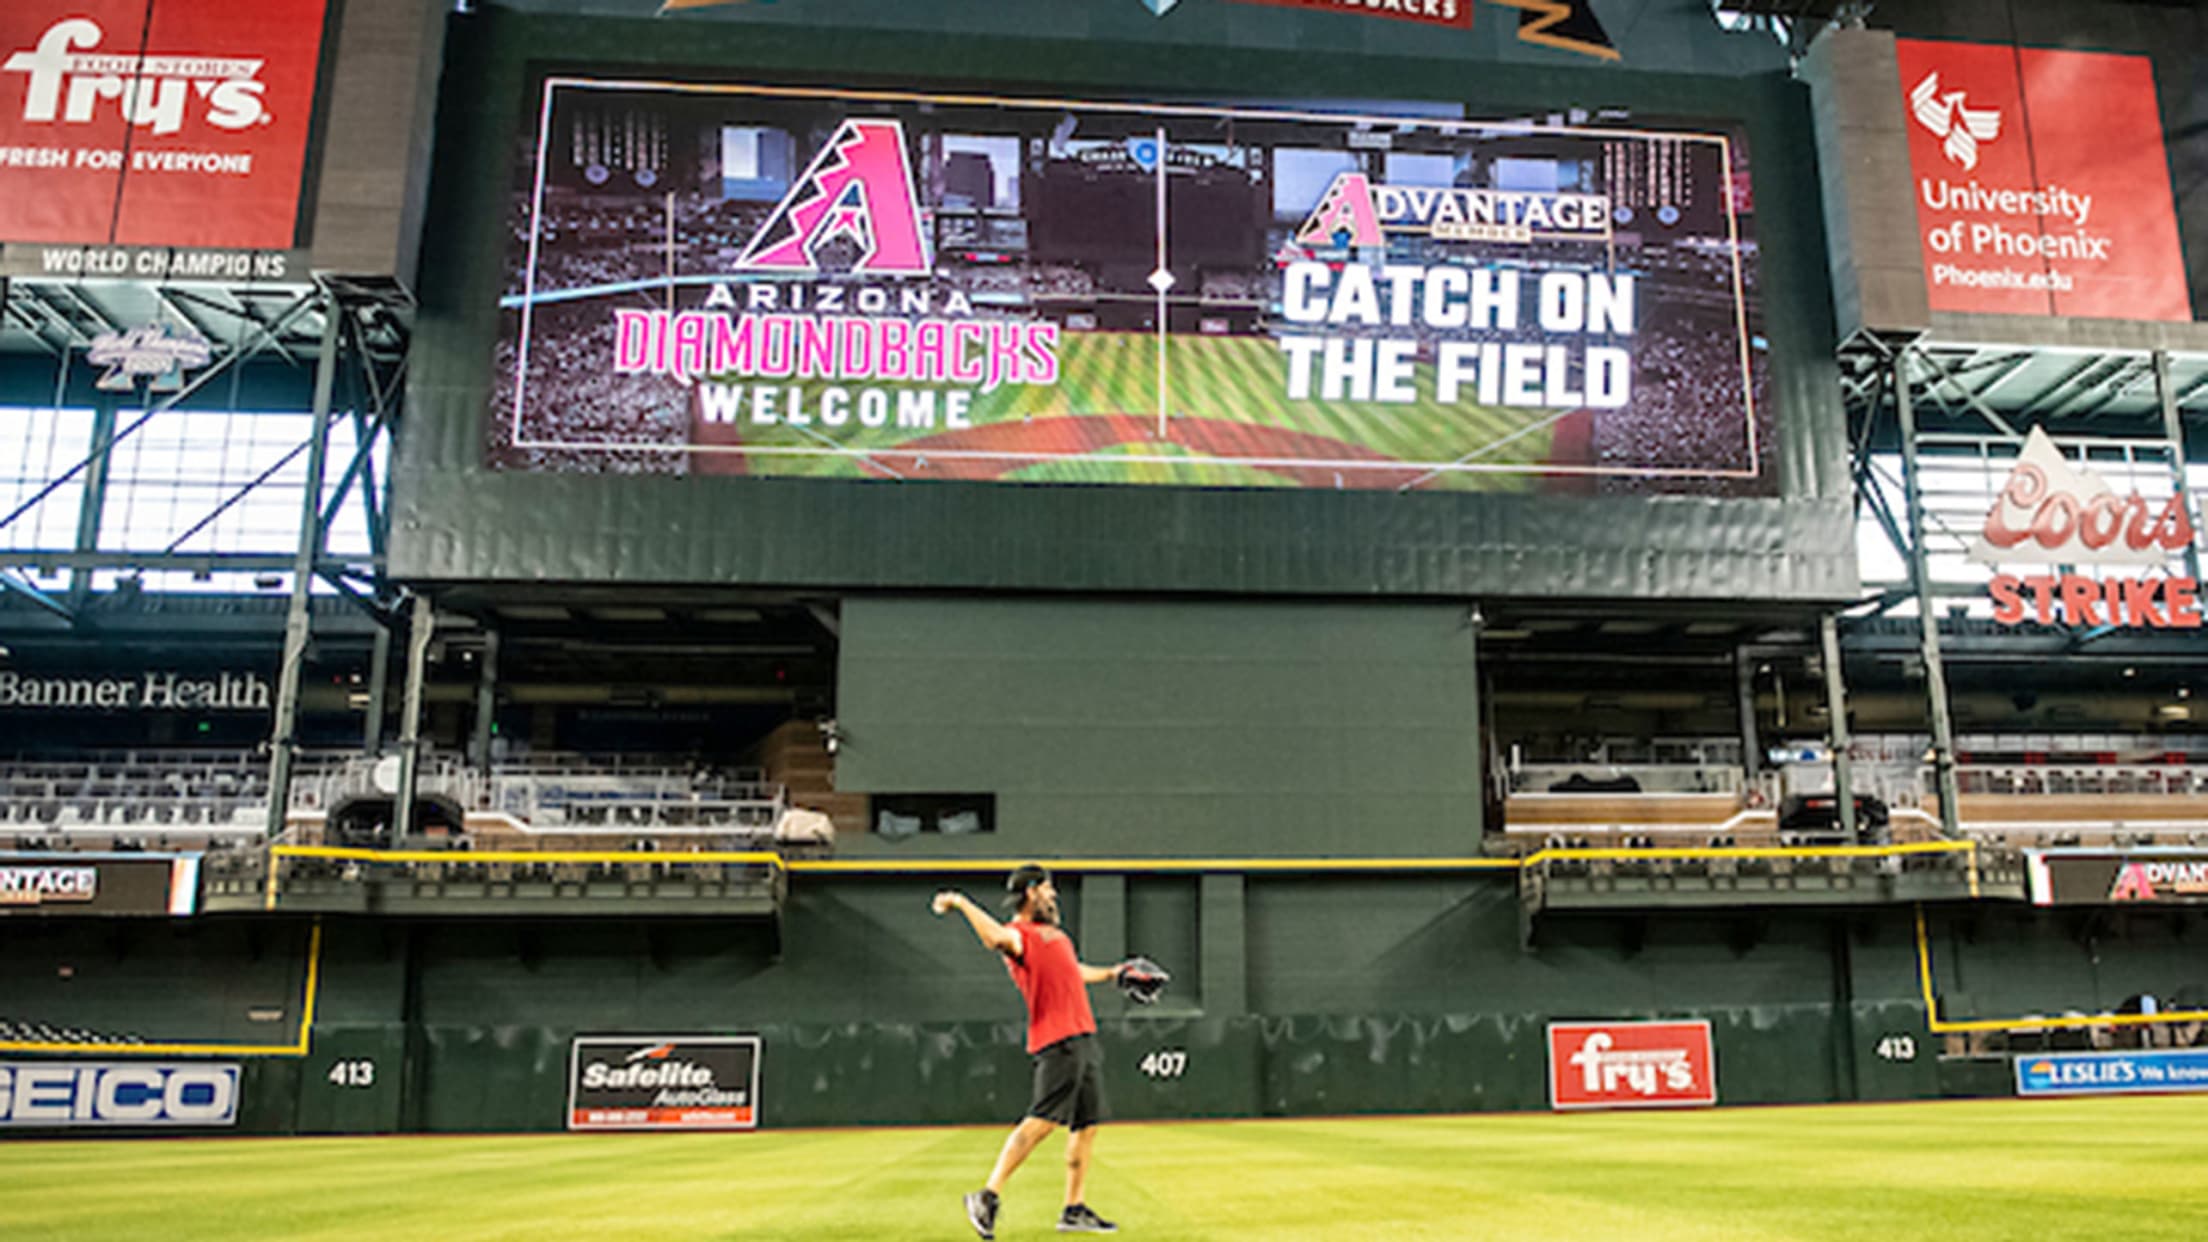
(774, 281)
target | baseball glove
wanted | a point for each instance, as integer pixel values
(1142, 979)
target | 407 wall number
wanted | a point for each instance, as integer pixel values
(1165, 1063)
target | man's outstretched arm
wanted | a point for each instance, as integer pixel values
(1100, 974)
(992, 934)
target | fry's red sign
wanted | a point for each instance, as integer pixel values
(1631, 1065)
(175, 123)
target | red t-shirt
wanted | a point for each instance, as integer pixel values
(1049, 978)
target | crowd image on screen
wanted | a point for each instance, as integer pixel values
(1058, 220)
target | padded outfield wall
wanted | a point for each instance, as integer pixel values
(1293, 995)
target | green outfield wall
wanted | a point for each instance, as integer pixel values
(1308, 994)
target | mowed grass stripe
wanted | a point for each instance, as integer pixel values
(1956, 1172)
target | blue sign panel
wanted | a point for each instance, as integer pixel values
(2110, 1073)
(80, 1093)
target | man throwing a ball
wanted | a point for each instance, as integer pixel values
(1061, 1036)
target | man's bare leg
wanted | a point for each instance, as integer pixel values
(1017, 1146)
(1077, 1162)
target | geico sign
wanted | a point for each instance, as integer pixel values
(69, 81)
(76, 1093)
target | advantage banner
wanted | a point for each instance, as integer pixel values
(133, 124)
(2112, 1073)
(2099, 878)
(1631, 1065)
(774, 281)
(682, 1082)
(99, 884)
(2043, 184)
(76, 1094)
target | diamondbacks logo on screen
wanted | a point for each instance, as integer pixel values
(1631, 1065)
(675, 1083)
(859, 189)
(161, 123)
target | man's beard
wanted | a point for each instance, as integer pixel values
(1043, 912)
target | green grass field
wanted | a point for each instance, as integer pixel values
(2133, 1168)
(1238, 381)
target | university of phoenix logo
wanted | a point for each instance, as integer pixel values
(1355, 212)
(859, 188)
(1960, 129)
(68, 81)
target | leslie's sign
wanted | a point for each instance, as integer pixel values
(2050, 512)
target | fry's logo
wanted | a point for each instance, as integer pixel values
(1961, 129)
(859, 188)
(1355, 212)
(68, 81)
(1646, 1073)
(1630, 1064)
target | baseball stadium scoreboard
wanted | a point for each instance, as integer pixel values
(771, 281)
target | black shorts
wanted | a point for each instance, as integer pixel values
(1069, 1083)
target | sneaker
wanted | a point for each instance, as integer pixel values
(981, 1212)
(1079, 1219)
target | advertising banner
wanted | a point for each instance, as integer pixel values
(790, 282)
(1631, 1065)
(99, 884)
(134, 124)
(677, 1083)
(2042, 182)
(2098, 878)
(2112, 1073)
(72, 1094)
(2058, 514)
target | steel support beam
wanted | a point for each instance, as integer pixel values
(93, 503)
(2173, 427)
(1836, 734)
(379, 680)
(422, 626)
(486, 702)
(298, 620)
(1928, 618)
(1744, 684)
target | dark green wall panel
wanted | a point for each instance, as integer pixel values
(1168, 728)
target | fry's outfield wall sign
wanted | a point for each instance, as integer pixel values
(2050, 512)
(2043, 187)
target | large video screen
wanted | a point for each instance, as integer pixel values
(785, 282)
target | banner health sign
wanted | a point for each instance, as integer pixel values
(41, 1094)
(2092, 878)
(129, 127)
(2111, 1073)
(677, 1083)
(2043, 186)
(789, 282)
